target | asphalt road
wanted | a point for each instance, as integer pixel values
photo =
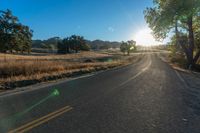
(146, 97)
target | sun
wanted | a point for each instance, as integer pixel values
(145, 38)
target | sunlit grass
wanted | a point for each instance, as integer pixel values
(18, 67)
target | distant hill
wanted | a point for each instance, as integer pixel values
(99, 44)
(51, 43)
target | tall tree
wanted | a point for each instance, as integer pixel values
(13, 35)
(66, 43)
(131, 46)
(73, 43)
(76, 42)
(123, 47)
(127, 47)
(175, 14)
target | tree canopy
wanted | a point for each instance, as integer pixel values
(127, 47)
(180, 16)
(73, 43)
(14, 36)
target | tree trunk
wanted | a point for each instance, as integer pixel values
(196, 57)
(191, 41)
(179, 41)
(177, 34)
(67, 49)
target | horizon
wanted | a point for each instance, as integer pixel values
(95, 20)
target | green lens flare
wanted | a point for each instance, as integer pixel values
(56, 92)
(10, 120)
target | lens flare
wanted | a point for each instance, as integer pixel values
(56, 92)
(11, 120)
(131, 48)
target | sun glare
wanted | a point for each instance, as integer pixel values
(145, 38)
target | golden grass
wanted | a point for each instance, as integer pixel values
(15, 68)
(4, 57)
(16, 71)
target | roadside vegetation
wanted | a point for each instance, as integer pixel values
(22, 70)
(128, 47)
(57, 57)
(53, 58)
(50, 45)
(14, 36)
(72, 44)
(181, 19)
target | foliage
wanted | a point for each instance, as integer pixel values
(127, 47)
(13, 35)
(99, 44)
(73, 43)
(94, 45)
(85, 47)
(183, 17)
(123, 47)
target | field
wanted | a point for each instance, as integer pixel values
(22, 70)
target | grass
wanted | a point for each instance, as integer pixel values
(35, 56)
(178, 60)
(21, 70)
(175, 60)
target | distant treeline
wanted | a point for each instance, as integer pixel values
(16, 37)
(52, 43)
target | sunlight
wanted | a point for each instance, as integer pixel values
(131, 48)
(145, 38)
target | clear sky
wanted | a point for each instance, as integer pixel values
(113, 20)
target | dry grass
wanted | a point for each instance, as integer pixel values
(4, 57)
(14, 68)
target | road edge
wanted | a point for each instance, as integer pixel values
(41, 85)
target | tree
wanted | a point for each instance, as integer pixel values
(66, 43)
(123, 47)
(76, 42)
(72, 43)
(13, 35)
(25, 39)
(178, 15)
(61, 48)
(128, 47)
(85, 47)
(64, 46)
(131, 46)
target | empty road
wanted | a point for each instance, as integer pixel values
(145, 97)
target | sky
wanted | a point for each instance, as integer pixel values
(112, 20)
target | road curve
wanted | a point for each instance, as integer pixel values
(146, 97)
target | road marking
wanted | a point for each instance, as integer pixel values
(138, 74)
(179, 76)
(41, 120)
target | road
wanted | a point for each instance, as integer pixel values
(145, 97)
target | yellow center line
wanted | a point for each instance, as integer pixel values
(41, 120)
(45, 120)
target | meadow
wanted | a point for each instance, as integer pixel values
(22, 70)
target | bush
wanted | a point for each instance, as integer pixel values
(179, 59)
(85, 47)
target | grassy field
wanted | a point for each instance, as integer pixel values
(22, 70)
